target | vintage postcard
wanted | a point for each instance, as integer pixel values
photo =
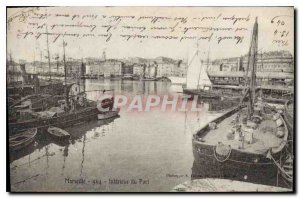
(150, 99)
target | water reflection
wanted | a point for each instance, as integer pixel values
(44, 141)
(83, 146)
(126, 87)
(65, 155)
(146, 145)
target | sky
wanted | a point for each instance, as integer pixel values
(280, 29)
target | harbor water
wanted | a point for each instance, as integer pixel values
(149, 149)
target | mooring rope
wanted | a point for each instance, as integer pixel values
(280, 168)
(237, 161)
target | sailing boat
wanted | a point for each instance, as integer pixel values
(251, 138)
(32, 84)
(176, 80)
(197, 80)
(74, 109)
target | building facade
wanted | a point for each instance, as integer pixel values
(107, 68)
(274, 61)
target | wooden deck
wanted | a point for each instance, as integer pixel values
(264, 137)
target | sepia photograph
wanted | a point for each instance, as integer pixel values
(150, 99)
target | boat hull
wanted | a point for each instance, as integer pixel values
(201, 93)
(239, 166)
(22, 140)
(237, 158)
(63, 121)
(62, 136)
(148, 79)
(236, 163)
(109, 114)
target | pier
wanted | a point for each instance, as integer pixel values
(225, 185)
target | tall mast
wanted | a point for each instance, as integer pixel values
(65, 71)
(48, 52)
(13, 66)
(197, 54)
(57, 63)
(252, 67)
(83, 74)
(187, 64)
(208, 58)
(41, 65)
(262, 62)
(34, 62)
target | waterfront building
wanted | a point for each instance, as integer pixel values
(137, 69)
(274, 61)
(109, 67)
(167, 67)
(127, 68)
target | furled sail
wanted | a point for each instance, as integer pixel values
(197, 77)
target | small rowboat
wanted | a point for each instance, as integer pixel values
(108, 114)
(21, 140)
(58, 133)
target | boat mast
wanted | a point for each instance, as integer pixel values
(48, 51)
(187, 65)
(41, 65)
(34, 66)
(57, 63)
(83, 69)
(65, 71)
(197, 54)
(208, 60)
(13, 66)
(252, 64)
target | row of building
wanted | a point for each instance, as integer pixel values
(158, 67)
(275, 61)
(136, 66)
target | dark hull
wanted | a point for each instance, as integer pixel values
(237, 164)
(46, 88)
(108, 115)
(244, 161)
(205, 165)
(201, 93)
(274, 100)
(127, 78)
(148, 79)
(65, 120)
(60, 137)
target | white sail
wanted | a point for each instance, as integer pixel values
(204, 80)
(197, 76)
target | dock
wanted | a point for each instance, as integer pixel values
(225, 185)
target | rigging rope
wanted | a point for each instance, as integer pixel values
(280, 168)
